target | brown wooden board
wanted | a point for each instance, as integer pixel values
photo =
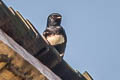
(17, 64)
(24, 33)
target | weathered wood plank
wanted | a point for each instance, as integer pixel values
(24, 33)
(64, 71)
(19, 64)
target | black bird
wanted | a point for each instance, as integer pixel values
(55, 33)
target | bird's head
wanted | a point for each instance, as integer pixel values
(54, 19)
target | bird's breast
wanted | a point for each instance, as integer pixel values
(55, 39)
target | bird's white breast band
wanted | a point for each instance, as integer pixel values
(55, 39)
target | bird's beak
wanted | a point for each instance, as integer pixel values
(58, 17)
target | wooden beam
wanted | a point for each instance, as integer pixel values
(24, 33)
(17, 64)
(66, 72)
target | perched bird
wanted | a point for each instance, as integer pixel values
(55, 33)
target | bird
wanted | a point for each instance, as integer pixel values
(55, 33)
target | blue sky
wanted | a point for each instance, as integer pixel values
(92, 27)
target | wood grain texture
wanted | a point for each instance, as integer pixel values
(25, 34)
(14, 67)
(16, 62)
(22, 32)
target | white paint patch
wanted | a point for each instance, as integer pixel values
(55, 39)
